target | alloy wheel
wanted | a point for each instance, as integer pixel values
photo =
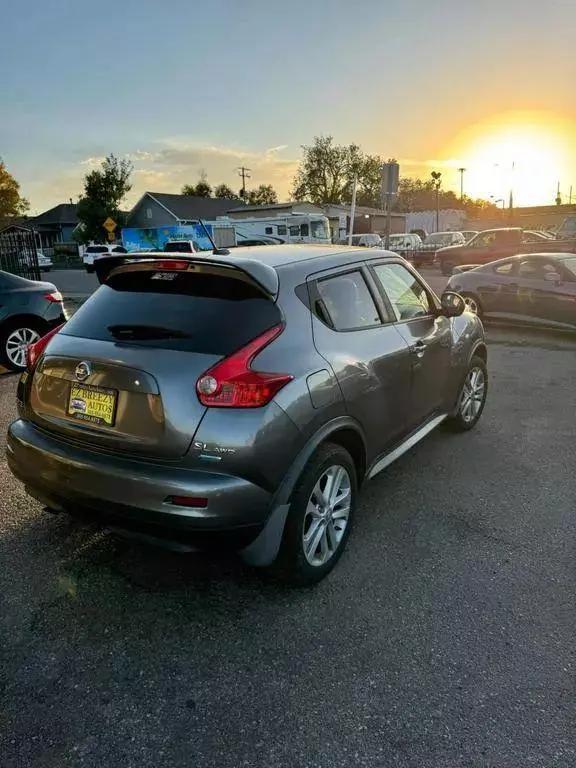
(327, 514)
(473, 394)
(17, 345)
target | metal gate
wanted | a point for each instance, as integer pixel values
(18, 253)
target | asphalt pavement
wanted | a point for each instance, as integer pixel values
(443, 639)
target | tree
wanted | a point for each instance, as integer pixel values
(11, 203)
(202, 189)
(265, 194)
(104, 190)
(420, 195)
(223, 190)
(327, 170)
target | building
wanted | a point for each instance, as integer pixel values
(274, 209)
(158, 209)
(529, 217)
(52, 227)
(366, 219)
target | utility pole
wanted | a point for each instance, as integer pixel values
(244, 174)
(511, 200)
(437, 178)
(352, 211)
(558, 195)
(570, 196)
(461, 172)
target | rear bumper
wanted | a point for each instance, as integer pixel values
(132, 494)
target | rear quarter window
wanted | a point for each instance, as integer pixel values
(192, 312)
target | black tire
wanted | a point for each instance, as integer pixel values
(6, 331)
(458, 422)
(472, 302)
(291, 566)
(446, 267)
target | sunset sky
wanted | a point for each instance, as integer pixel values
(184, 85)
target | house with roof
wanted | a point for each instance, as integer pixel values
(158, 209)
(53, 226)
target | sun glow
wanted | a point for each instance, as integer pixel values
(523, 152)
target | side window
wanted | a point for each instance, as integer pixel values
(304, 230)
(295, 231)
(504, 269)
(532, 269)
(347, 301)
(281, 229)
(119, 249)
(268, 230)
(405, 292)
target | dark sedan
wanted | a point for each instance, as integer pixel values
(28, 310)
(536, 288)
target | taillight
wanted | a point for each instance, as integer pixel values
(171, 264)
(55, 297)
(37, 349)
(233, 384)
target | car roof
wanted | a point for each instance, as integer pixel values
(263, 262)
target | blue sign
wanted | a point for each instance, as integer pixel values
(155, 238)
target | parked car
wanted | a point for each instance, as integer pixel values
(468, 234)
(539, 289)
(181, 246)
(94, 252)
(28, 309)
(567, 230)
(25, 260)
(246, 402)
(494, 244)
(246, 242)
(366, 240)
(405, 243)
(432, 243)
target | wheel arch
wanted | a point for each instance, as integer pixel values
(21, 319)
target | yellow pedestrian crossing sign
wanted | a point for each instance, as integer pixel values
(109, 225)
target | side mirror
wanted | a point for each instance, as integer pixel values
(452, 304)
(553, 277)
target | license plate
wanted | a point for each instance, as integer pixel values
(94, 404)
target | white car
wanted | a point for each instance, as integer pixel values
(94, 252)
(407, 241)
(44, 262)
(367, 240)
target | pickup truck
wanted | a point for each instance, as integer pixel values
(493, 244)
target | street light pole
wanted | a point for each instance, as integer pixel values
(461, 172)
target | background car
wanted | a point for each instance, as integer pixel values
(28, 309)
(94, 252)
(433, 243)
(538, 289)
(44, 262)
(366, 240)
(493, 244)
(405, 243)
(246, 401)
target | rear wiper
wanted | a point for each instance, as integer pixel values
(144, 332)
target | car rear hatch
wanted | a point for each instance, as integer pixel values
(121, 375)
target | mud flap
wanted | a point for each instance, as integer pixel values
(264, 549)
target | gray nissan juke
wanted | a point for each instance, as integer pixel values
(240, 400)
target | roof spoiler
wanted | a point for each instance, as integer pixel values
(262, 274)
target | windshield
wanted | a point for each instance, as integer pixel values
(440, 238)
(570, 264)
(320, 229)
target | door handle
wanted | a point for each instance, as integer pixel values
(418, 348)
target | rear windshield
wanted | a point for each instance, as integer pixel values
(97, 249)
(192, 312)
(182, 246)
